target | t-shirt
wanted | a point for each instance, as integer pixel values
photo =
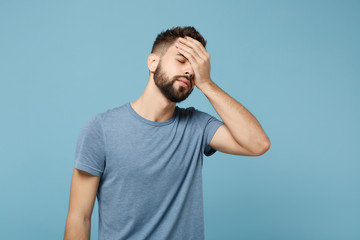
(151, 172)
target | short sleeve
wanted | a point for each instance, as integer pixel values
(209, 124)
(90, 147)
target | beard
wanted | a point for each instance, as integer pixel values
(167, 87)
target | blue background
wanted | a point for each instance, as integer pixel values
(293, 64)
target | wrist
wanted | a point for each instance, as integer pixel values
(206, 85)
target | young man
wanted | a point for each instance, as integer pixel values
(143, 160)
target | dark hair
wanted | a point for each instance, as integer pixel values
(168, 37)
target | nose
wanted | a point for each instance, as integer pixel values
(189, 72)
(190, 75)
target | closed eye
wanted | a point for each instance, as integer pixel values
(181, 58)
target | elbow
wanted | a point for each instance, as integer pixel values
(265, 146)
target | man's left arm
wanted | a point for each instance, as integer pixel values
(241, 133)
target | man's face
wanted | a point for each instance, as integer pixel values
(171, 67)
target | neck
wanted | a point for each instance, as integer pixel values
(153, 105)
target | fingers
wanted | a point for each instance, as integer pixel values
(197, 55)
(193, 50)
(189, 56)
(188, 53)
(196, 45)
(190, 44)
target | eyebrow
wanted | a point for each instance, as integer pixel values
(178, 54)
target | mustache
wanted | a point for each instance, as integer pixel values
(181, 76)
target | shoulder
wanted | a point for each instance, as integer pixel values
(197, 113)
(114, 110)
(111, 113)
(192, 110)
(192, 113)
(185, 112)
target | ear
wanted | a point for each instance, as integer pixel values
(153, 61)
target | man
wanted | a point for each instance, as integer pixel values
(143, 160)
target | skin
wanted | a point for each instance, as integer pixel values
(168, 86)
(241, 133)
(153, 104)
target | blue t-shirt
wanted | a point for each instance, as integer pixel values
(151, 172)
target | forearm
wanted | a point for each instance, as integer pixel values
(77, 228)
(244, 127)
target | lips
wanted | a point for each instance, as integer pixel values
(184, 80)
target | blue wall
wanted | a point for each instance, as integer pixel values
(293, 64)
